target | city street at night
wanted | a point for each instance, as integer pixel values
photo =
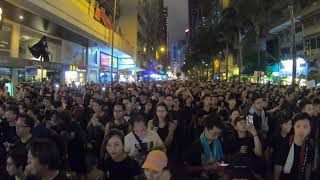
(159, 90)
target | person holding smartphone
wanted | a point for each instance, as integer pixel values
(203, 157)
(245, 147)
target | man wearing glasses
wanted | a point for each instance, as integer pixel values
(24, 125)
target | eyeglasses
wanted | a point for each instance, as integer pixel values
(21, 126)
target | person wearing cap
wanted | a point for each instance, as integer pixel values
(155, 166)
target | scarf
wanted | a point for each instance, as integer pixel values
(290, 159)
(214, 152)
(264, 122)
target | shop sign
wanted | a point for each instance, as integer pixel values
(5, 40)
(73, 68)
(31, 70)
(105, 61)
(100, 15)
(47, 65)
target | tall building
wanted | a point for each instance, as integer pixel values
(78, 35)
(307, 38)
(178, 22)
(142, 23)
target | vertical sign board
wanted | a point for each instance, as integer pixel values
(5, 40)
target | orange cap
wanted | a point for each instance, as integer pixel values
(156, 160)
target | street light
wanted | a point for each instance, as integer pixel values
(162, 49)
(0, 14)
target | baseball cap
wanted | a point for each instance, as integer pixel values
(156, 160)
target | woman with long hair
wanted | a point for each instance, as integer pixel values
(162, 125)
(117, 164)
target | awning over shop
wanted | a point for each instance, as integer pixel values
(136, 69)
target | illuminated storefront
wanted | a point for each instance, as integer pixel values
(75, 74)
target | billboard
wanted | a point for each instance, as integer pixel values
(31, 70)
(105, 60)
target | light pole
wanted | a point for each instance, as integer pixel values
(112, 41)
(293, 46)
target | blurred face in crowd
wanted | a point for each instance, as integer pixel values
(232, 103)
(308, 109)
(212, 134)
(161, 112)
(214, 100)
(286, 127)
(128, 104)
(207, 101)
(168, 101)
(22, 110)
(112, 96)
(36, 168)
(140, 129)
(258, 104)
(118, 112)
(64, 100)
(115, 147)
(161, 99)
(54, 120)
(22, 129)
(2, 112)
(188, 101)
(11, 116)
(316, 108)
(79, 100)
(176, 102)
(12, 169)
(151, 174)
(97, 108)
(47, 103)
(234, 115)
(302, 128)
(241, 126)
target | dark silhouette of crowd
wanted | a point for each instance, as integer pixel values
(160, 131)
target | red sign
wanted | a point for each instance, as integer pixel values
(105, 60)
(101, 15)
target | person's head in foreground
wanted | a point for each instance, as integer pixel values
(154, 166)
(43, 158)
(16, 162)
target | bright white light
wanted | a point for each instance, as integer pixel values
(286, 67)
(103, 88)
(275, 74)
(187, 30)
(21, 17)
(77, 84)
(57, 86)
(155, 76)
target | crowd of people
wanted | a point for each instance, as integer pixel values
(160, 131)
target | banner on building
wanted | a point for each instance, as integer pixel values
(31, 70)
